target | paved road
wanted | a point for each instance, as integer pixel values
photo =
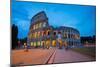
(33, 56)
(47, 56)
(62, 55)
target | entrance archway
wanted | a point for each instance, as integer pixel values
(47, 43)
(60, 42)
(54, 43)
(43, 44)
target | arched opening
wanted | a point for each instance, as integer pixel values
(48, 43)
(65, 43)
(65, 35)
(34, 44)
(60, 43)
(38, 34)
(44, 24)
(59, 32)
(35, 34)
(38, 43)
(43, 44)
(54, 43)
(48, 32)
(43, 33)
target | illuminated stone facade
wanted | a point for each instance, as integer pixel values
(41, 34)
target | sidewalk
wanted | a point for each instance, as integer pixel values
(66, 56)
(33, 56)
(47, 56)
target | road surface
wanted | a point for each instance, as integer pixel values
(33, 56)
(62, 56)
(46, 56)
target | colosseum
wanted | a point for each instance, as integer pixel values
(42, 35)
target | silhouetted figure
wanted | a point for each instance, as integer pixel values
(25, 47)
(59, 40)
(14, 36)
(43, 45)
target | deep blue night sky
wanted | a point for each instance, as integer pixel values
(80, 17)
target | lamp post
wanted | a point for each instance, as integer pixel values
(25, 47)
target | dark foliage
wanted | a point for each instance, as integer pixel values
(24, 40)
(14, 33)
(89, 39)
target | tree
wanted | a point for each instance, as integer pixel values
(14, 32)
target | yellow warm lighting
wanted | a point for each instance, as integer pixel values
(42, 43)
(54, 43)
(38, 43)
(36, 26)
(38, 34)
(60, 41)
(34, 43)
(35, 34)
(48, 31)
(48, 42)
(30, 36)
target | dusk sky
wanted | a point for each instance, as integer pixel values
(83, 18)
